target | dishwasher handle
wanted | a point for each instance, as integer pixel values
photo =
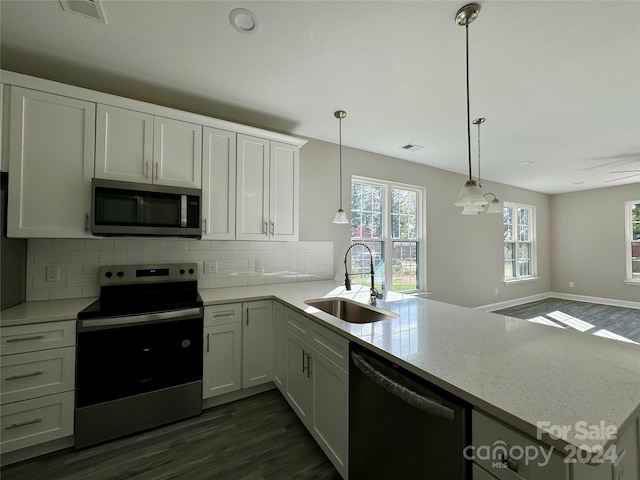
(407, 395)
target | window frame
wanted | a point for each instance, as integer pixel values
(629, 241)
(386, 240)
(517, 242)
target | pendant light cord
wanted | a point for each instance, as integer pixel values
(479, 177)
(340, 155)
(466, 30)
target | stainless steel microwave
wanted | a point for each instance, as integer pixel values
(132, 209)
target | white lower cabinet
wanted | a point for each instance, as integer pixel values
(279, 347)
(257, 343)
(499, 441)
(222, 344)
(318, 391)
(38, 379)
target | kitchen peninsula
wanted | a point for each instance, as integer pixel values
(520, 373)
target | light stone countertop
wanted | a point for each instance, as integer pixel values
(517, 371)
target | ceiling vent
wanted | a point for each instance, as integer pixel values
(87, 8)
(411, 147)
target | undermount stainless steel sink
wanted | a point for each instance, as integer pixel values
(349, 310)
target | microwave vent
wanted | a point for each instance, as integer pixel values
(87, 8)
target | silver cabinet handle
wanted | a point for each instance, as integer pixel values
(228, 314)
(207, 343)
(247, 316)
(303, 367)
(511, 464)
(23, 375)
(308, 365)
(157, 170)
(146, 169)
(204, 226)
(273, 228)
(86, 222)
(407, 395)
(23, 424)
(24, 339)
(265, 231)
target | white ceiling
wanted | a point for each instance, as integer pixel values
(559, 82)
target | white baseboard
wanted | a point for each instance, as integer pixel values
(512, 303)
(600, 300)
(566, 296)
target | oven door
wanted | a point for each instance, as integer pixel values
(123, 357)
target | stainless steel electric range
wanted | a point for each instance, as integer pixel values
(139, 352)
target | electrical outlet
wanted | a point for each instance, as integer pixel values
(571, 284)
(260, 265)
(53, 273)
(211, 266)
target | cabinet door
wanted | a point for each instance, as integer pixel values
(51, 153)
(252, 190)
(280, 347)
(124, 144)
(218, 185)
(283, 188)
(330, 409)
(298, 383)
(222, 356)
(480, 474)
(257, 343)
(177, 153)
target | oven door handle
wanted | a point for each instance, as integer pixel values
(92, 323)
(405, 394)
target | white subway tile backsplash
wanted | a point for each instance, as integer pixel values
(80, 261)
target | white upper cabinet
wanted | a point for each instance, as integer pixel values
(218, 184)
(51, 162)
(139, 147)
(283, 199)
(267, 190)
(177, 153)
(124, 144)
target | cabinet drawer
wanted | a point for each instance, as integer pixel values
(222, 314)
(36, 421)
(496, 438)
(35, 374)
(38, 336)
(298, 324)
(332, 345)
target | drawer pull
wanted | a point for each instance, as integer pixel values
(23, 424)
(24, 339)
(23, 375)
(511, 464)
(224, 315)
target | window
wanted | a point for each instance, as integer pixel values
(519, 241)
(632, 221)
(387, 217)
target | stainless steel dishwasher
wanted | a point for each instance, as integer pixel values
(401, 426)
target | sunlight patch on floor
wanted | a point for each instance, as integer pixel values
(570, 321)
(614, 336)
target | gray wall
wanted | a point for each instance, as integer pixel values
(464, 253)
(588, 242)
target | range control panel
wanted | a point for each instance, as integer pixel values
(133, 274)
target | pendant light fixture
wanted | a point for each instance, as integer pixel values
(470, 194)
(341, 216)
(495, 205)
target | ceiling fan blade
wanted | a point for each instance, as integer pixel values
(622, 178)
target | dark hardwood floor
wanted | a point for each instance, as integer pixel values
(617, 320)
(251, 439)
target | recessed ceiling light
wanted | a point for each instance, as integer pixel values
(525, 164)
(244, 21)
